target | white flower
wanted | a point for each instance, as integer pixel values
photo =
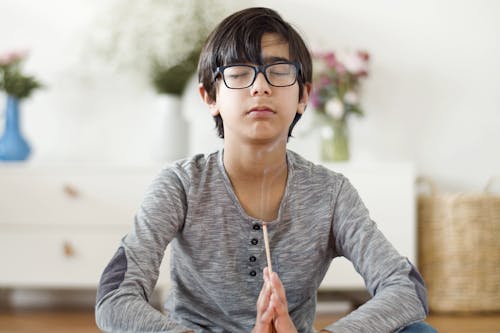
(353, 62)
(334, 108)
(351, 97)
(135, 32)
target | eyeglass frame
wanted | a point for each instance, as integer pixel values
(257, 70)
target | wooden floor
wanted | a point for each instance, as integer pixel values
(82, 321)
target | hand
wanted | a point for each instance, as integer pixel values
(263, 322)
(272, 307)
(281, 321)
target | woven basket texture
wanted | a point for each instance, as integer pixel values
(459, 251)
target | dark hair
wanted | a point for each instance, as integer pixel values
(238, 39)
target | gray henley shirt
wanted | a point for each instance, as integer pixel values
(217, 255)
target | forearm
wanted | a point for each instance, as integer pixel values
(122, 312)
(388, 311)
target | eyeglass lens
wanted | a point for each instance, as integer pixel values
(243, 76)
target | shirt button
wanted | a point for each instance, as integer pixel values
(253, 273)
(252, 259)
(255, 241)
(256, 227)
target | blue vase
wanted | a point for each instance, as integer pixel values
(13, 147)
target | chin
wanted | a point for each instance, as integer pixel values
(268, 139)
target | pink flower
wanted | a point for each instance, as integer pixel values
(329, 59)
(314, 98)
(325, 80)
(355, 64)
(364, 55)
(337, 79)
(340, 68)
(13, 57)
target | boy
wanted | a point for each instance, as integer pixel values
(255, 76)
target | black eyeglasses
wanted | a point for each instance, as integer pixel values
(278, 74)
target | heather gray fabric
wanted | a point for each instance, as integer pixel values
(218, 255)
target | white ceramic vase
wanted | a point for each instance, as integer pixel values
(170, 132)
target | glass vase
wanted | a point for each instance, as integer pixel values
(335, 141)
(13, 146)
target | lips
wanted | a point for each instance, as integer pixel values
(261, 109)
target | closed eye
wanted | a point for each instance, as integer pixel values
(235, 76)
(279, 73)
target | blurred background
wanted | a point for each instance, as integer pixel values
(430, 99)
(431, 96)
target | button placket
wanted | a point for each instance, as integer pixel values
(254, 251)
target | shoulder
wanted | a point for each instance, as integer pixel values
(185, 172)
(314, 174)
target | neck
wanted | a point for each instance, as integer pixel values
(258, 176)
(255, 163)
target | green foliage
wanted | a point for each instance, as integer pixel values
(173, 80)
(160, 40)
(14, 82)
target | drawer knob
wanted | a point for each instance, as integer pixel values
(71, 191)
(68, 249)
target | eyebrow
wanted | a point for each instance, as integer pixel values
(270, 60)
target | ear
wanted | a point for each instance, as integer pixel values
(306, 90)
(212, 105)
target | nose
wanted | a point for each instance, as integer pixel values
(260, 86)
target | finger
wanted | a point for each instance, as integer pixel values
(266, 273)
(267, 316)
(266, 286)
(278, 288)
(265, 313)
(276, 303)
(264, 297)
(278, 300)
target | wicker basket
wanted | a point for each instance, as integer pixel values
(459, 250)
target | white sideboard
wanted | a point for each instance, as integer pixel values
(60, 225)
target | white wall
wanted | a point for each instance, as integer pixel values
(431, 98)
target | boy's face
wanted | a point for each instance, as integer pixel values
(262, 112)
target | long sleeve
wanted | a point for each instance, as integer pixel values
(399, 295)
(130, 277)
(217, 255)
